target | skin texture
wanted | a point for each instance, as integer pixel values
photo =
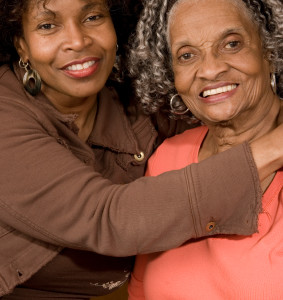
(226, 51)
(66, 33)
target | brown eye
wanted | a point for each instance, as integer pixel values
(46, 26)
(93, 18)
(232, 45)
(186, 56)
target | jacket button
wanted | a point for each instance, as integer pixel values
(139, 157)
(210, 226)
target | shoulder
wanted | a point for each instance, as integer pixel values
(10, 86)
(22, 111)
(185, 139)
(176, 152)
(12, 95)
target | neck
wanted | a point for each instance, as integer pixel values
(246, 127)
(84, 108)
(85, 120)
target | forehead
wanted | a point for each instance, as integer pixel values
(42, 4)
(207, 18)
(235, 3)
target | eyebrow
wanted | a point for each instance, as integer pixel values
(230, 31)
(45, 13)
(222, 35)
(92, 4)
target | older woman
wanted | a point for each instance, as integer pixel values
(227, 63)
(60, 128)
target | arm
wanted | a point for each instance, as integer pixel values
(72, 206)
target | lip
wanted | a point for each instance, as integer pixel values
(218, 97)
(215, 86)
(84, 72)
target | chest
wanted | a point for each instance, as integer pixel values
(225, 267)
(117, 167)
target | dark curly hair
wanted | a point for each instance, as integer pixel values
(123, 12)
(150, 59)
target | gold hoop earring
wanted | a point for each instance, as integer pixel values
(31, 79)
(174, 106)
(273, 83)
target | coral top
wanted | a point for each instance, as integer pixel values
(222, 267)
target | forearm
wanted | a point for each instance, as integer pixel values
(225, 189)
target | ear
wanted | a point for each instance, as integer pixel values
(271, 66)
(21, 47)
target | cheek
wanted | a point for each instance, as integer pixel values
(109, 46)
(256, 79)
(183, 80)
(108, 37)
(108, 42)
(42, 52)
(185, 87)
(186, 91)
(251, 63)
(110, 59)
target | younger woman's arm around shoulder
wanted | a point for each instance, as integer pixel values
(50, 195)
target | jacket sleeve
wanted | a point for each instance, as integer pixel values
(48, 194)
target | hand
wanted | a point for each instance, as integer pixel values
(268, 150)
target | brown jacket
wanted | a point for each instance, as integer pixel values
(51, 195)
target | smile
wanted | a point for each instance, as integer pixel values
(82, 69)
(78, 67)
(219, 90)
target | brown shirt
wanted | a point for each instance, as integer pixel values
(52, 196)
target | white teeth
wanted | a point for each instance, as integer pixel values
(220, 90)
(81, 66)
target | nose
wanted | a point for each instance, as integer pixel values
(75, 38)
(211, 66)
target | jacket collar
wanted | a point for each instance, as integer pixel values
(112, 128)
(111, 120)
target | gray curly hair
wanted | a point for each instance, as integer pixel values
(149, 60)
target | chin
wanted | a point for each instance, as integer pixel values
(85, 92)
(220, 117)
(223, 122)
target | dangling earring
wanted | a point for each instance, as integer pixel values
(273, 83)
(173, 106)
(31, 79)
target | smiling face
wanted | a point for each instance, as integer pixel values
(71, 44)
(218, 62)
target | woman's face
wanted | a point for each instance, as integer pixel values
(218, 62)
(71, 44)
